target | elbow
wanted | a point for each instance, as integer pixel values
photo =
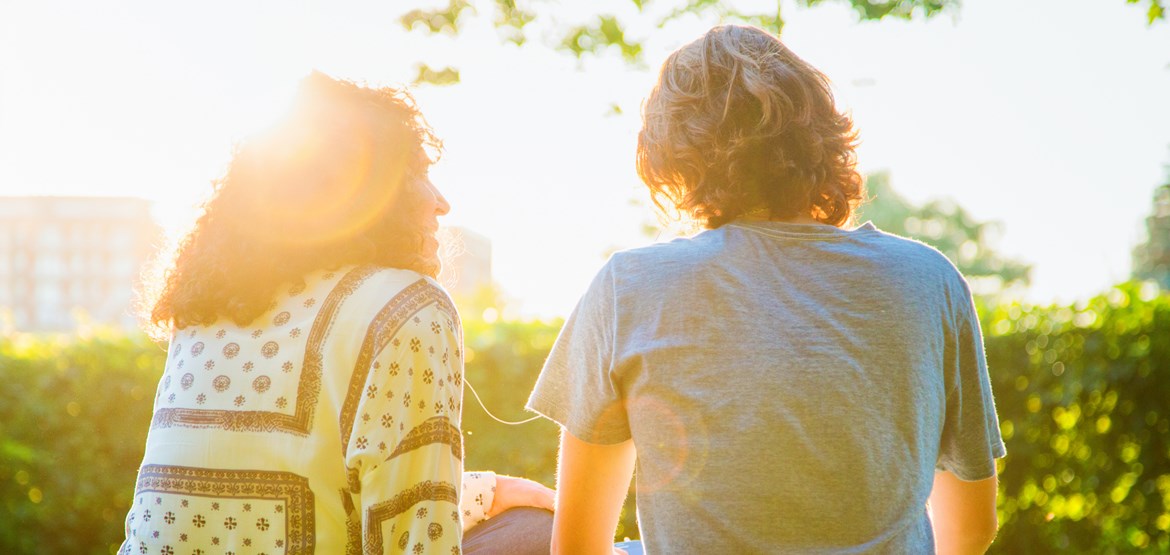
(558, 543)
(970, 537)
(577, 545)
(988, 532)
(558, 546)
(979, 536)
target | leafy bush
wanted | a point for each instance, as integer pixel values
(73, 417)
(1082, 394)
(1081, 390)
(503, 360)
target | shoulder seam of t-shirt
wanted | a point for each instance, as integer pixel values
(826, 235)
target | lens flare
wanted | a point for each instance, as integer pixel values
(364, 179)
(681, 447)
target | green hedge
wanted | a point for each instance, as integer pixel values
(503, 360)
(1083, 395)
(1082, 392)
(73, 419)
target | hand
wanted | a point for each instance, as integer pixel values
(520, 492)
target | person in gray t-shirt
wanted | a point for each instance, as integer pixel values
(786, 384)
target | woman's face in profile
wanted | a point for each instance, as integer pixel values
(430, 204)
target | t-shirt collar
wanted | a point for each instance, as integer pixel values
(809, 231)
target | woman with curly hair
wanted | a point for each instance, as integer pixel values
(784, 381)
(313, 388)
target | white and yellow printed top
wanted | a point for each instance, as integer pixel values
(328, 425)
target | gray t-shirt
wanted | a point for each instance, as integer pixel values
(790, 388)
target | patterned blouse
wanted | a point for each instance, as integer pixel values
(329, 425)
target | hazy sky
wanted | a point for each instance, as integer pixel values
(1049, 116)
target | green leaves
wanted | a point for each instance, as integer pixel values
(1156, 11)
(73, 419)
(440, 77)
(626, 31)
(726, 14)
(872, 10)
(445, 20)
(604, 33)
(1081, 392)
(511, 20)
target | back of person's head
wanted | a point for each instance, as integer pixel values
(331, 184)
(738, 124)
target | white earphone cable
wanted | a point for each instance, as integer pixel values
(489, 413)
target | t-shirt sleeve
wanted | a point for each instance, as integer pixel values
(578, 387)
(971, 439)
(405, 450)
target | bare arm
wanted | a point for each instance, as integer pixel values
(592, 481)
(963, 514)
(514, 492)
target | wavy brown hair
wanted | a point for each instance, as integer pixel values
(738, 124)
(328, 186)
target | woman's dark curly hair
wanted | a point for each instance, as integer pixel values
(738, 124)
(332, 184)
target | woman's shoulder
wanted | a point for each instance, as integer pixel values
(368, 281)
(376, 286)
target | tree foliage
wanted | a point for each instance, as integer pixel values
(73, 419)
(502, 360)
(626, 26)
(1081, 393)
(1151, 259)
(1155, 10)
(946, 226)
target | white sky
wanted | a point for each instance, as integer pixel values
(1049, 116)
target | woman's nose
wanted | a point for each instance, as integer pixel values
(441, 205)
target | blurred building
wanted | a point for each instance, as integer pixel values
(61, 257)
(467, 262)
